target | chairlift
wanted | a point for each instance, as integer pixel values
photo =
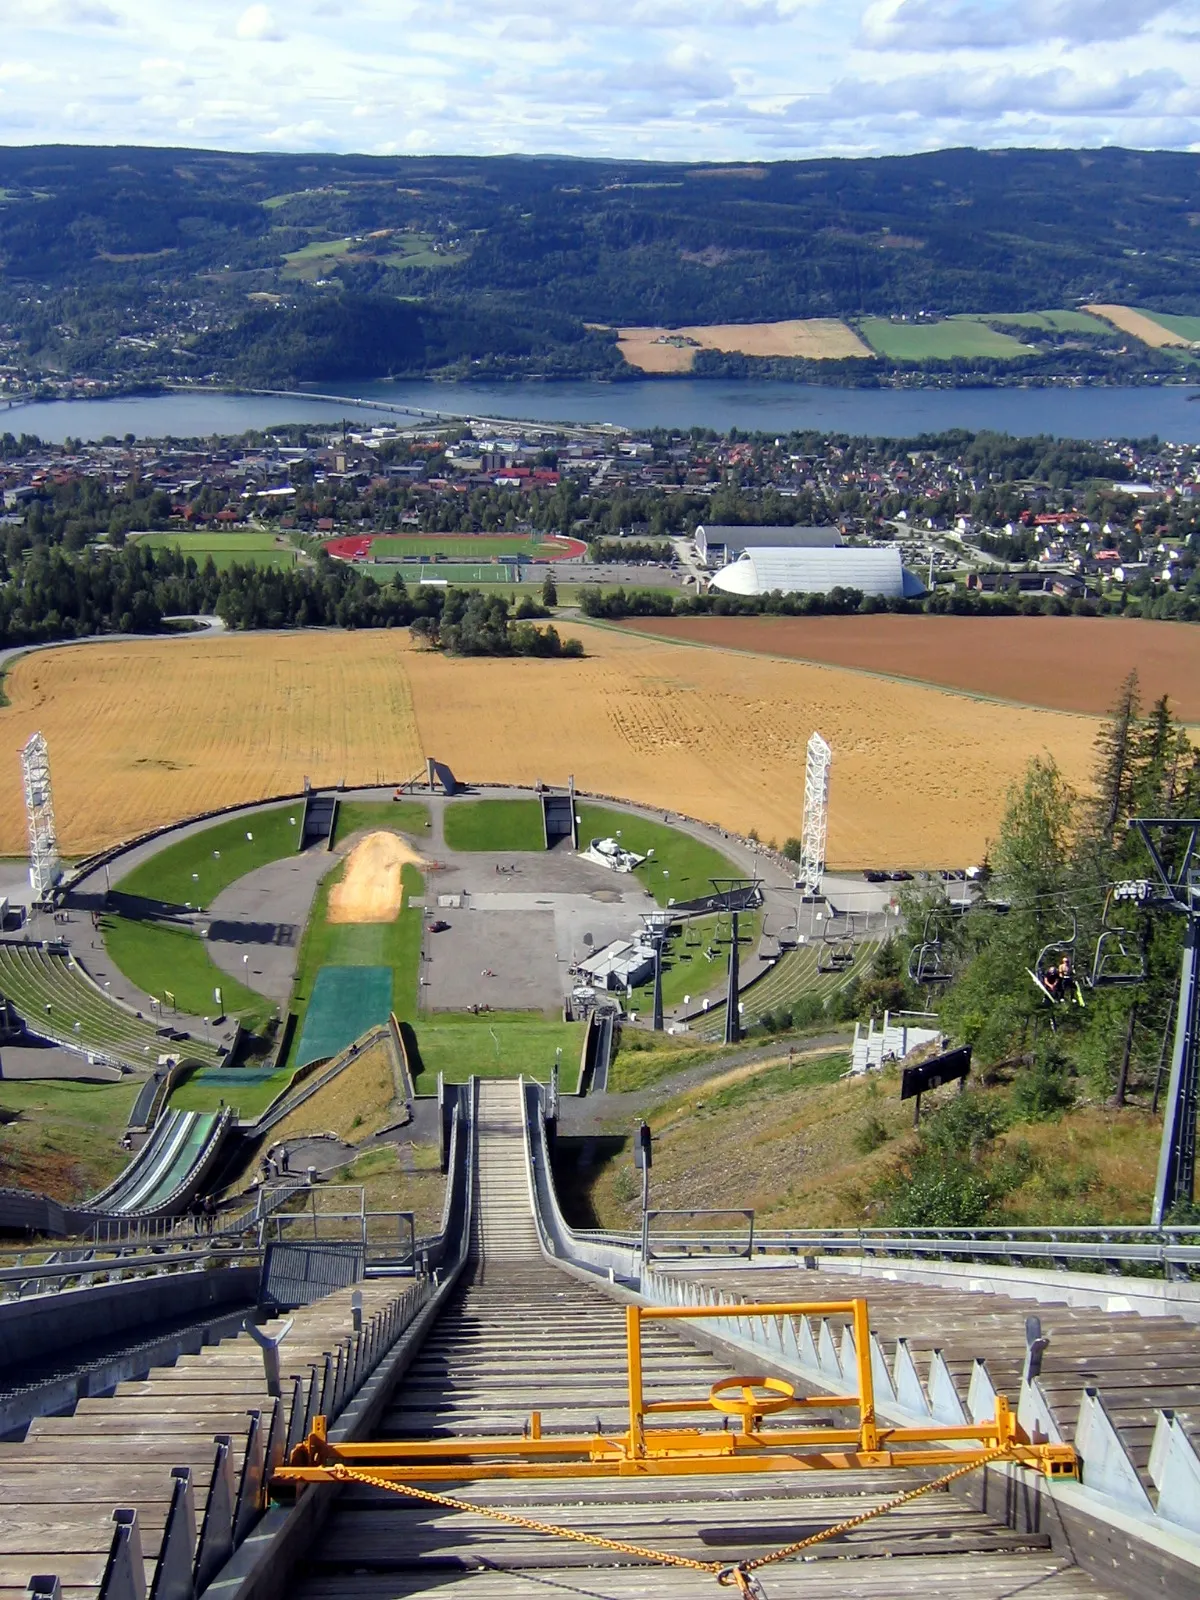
(1054, 970)
(1120, 958)
(837, 949)
(926, 961)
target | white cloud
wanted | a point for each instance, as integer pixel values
(685, 79)
(257, 22)
(921, 25)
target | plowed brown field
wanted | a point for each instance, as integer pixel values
(141, 733)
(1062, 663)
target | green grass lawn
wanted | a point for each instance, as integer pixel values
(162, 959)
(687, 970)
(247, 1091)
(495, 825)
(462, 546)
(195, 869)
(954, 338)
(65, 1137)
(498, 1044)
(394, 944)
(247, 549)
(1185, 327)
(312, 260)
(396, 816)
(1052, 321)
(689, 864)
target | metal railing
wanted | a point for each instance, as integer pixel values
(338, 1214)
(74, 1269)
(675, 1246)
(1169, 1252)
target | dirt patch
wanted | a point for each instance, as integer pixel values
(370, 889)
(674, 349)
(1139, 325)
(1060, 663)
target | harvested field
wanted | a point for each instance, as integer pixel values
(1060, 663)
(674, 349)
(369, 889)
(144, 733)
(1139, 325)
(141, 733)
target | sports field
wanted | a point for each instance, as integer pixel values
(247, 549)
(1060, 663)
(954, 338)
(145, 732)
(466, 547)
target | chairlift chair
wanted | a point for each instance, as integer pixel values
(1120, 958)
(836, 951)
(926, 963)
(1054, 970)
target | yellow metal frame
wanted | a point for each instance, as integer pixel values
(660, 1451)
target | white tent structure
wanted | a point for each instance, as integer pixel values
(763, 570)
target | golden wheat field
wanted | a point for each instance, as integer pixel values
(1139, 325)
(812, 339)
(142, 733)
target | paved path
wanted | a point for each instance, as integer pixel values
(593, 1113)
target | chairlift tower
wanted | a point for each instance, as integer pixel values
(1178, 872)
(734, 895)
(816, 815)
(45, 868)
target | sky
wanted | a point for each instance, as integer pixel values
(680, 79)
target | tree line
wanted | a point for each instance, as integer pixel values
(55, 595)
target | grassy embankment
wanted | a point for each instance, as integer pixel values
(395, 944)
(63, 1139)
(389, 816)
(163, 957)
(680, 867)
(494, 825)
(806, 1149)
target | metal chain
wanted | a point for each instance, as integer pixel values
(741, 1574)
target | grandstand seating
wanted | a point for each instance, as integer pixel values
(793, 975)
(58, 1002)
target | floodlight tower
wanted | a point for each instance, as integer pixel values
(44, 865)
(816, 815)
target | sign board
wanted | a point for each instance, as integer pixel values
(933, 1074)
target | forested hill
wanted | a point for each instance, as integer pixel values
(135, 260)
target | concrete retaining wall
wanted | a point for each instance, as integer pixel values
(45, 1324)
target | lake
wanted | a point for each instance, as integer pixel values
(1098, 413)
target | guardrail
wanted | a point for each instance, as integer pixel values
(80, 1268)
(1169, 1252)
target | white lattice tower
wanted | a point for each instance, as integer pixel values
(44, 865)
(816, 813)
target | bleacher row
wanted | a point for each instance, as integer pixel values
(793, 975)
(57, 1002)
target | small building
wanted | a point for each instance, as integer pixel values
(622, 965)
(765, 570)
(719, 543)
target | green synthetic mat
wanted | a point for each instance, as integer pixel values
(346, 1001)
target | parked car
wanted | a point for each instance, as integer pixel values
(874, 876)
(440, 926)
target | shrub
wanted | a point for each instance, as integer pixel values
(873, 1133)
